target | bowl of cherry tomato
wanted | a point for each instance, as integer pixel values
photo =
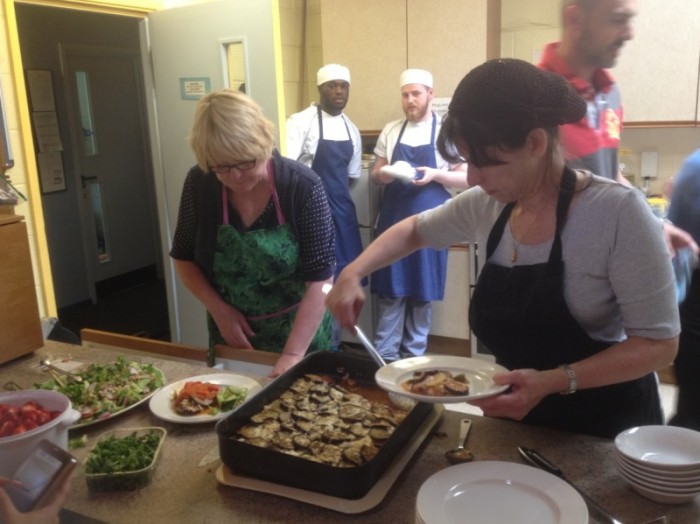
(28, 416)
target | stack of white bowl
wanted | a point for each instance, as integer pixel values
(661, 463)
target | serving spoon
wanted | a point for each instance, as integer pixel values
(461, 454)
(399, 401)
(45, 362)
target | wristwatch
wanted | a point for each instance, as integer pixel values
(571, 375)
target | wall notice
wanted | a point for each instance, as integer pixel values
(194, 88)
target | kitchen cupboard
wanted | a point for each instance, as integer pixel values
(658, 70)
(378, 40)
(20, 327)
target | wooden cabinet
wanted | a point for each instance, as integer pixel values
(20, 326)
(378, 40)
(658, 69)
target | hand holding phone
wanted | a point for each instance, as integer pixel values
(41, 475)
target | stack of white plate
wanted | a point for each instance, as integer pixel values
(661, 463)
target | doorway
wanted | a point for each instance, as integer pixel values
(95, 57)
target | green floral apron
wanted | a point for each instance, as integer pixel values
(256, 272)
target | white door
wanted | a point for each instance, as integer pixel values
(108, 127)
(188, 52)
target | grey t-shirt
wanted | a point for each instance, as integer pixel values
(618, 279)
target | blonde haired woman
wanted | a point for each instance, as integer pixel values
(254, 237)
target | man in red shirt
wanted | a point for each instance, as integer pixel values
(593, 33)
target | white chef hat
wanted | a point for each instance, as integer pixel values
(416, 76)
(332, 72)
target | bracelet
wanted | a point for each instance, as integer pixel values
(571, 375)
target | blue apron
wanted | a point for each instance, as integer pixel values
(331, 164)
(422, 274)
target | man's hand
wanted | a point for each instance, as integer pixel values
(677, 239)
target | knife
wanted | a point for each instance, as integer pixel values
(534, 458)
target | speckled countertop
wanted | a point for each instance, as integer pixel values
(182, 490)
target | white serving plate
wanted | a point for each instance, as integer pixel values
(492, 491)
(162, 407)
(662, 447)
(478, 372)
(401, 170)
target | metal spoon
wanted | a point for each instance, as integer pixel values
(45, 362)
(460, 453)
(399, 401)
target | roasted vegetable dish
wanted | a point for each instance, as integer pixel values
(319, 419)
(436, 383)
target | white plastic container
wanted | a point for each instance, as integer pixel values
(14, 449)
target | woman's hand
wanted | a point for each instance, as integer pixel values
(285, 362)
(44, 515)
(345, 300)
(527, 389)
(233, 326)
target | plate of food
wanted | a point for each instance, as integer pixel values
(203, 398)
(100, 391)
(441, 378)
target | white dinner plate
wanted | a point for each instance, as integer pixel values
(478, 372)
(161, 403)
(493, 492)
(401, 170)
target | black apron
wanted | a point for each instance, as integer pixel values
(521, 315)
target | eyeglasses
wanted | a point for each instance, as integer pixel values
(241, 166)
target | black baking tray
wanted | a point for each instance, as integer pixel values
(281, 468)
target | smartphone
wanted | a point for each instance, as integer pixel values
(40, 475)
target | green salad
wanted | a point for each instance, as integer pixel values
(120, 454)
(106, 389)
(229, 397)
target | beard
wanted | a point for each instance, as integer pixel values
(416, 114)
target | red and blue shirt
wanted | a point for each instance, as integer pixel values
(593, 142)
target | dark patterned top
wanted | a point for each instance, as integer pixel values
(303, 203)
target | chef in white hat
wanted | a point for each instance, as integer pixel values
(406, 289)
(323, 137)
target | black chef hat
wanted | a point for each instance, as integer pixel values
(508, 91)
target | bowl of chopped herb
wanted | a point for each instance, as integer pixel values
(123, 459)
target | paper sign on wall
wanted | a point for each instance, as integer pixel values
(194, 88)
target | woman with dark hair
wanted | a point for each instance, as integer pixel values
(577, 296)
